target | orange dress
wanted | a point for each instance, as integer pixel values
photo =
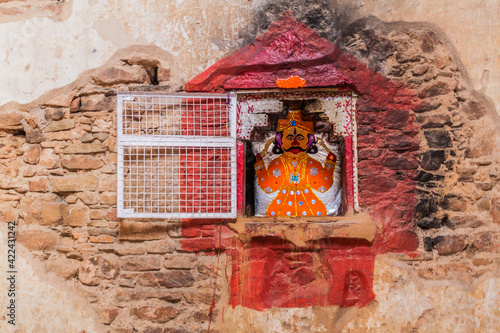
(295, 179)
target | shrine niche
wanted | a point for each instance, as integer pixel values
(294, 184)
(302, 237)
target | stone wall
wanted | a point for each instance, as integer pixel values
(58, 167)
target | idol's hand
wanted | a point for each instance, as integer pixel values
(266, 147)
(322, 143)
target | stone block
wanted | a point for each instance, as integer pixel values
(32, 155)
(48, 159)
(121, 74)
(140, 263)
(108, 199)
(434, 120)
(487, 242)
(129, 249)
(60, 125)
(454, 202)
(38, 240)
(447, 245)
(74, 183)
(107, 316)
(86, 148)
(102, 239)
(466, 221)
(160, 247)
(200, 297)
(495, 209)
(76, 215)
(51, 213)
(34, 136)
(432, 160)
(156, 315)
(39, 185)
(11, 120)
(420, 69)
(438, 138)
(95, 269)
(179, 261)
(141, 231)
(62, 267)
(435, 89)
(97, 102)
(429, 223)
(52, 114)
(474, 110)
(84, 162)
(171, 279)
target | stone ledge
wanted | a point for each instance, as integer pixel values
(303, 231)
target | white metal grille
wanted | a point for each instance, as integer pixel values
(176, 155)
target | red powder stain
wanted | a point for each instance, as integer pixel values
(291, 83)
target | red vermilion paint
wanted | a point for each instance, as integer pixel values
(272, 273)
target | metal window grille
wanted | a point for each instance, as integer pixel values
(176, 155)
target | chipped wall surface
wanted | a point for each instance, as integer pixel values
(44, 302)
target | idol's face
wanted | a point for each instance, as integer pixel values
(295, 140)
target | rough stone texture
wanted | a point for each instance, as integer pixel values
(74, 183)
(74, 163)
(94, 270)
(38, 240)
(446, 245)
(138, 231)
(61, 125)
(441, 160)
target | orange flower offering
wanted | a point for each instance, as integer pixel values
(291, 82)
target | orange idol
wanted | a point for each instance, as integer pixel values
(295, 179)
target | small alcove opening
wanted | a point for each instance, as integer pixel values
(323, 130)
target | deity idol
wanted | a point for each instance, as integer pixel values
(294, 174)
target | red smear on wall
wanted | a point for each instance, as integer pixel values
(272, 273)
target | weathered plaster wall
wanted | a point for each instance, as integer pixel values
(137, 274)
(42, 47)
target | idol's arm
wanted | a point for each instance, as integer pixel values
(269, 180)
(321, 178)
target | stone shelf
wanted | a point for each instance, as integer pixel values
(303, 231)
